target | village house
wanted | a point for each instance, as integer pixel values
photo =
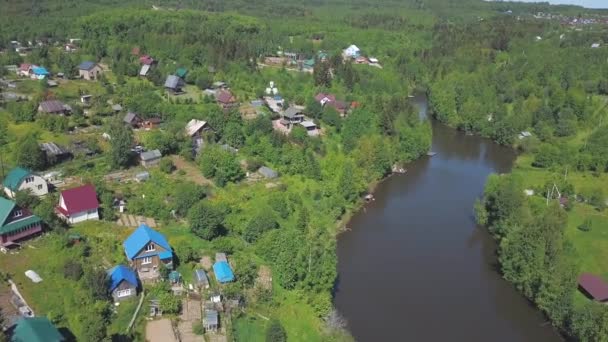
(54, 107)
(20, 179)
(351, 52)
(174, 84)
(16, 223)
(593, 287)
(89, 71)
(132, 119)
(310, 127)
(291, 116)
(195, 129)
(122, 283)
(150, 158)
(55, 153)
(211, 320)
(225, 99)
(39, 73)
(78, 204)
(147, 250)
(35, 329)
(25, 70)
(151, 123)
(201, 279)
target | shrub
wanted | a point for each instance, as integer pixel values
(197, 328)
(73, 270)
(167, 166)
(586, 225)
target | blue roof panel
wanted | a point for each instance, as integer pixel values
(86, 65)
(119, 273)
(140, 238)
(223, 272)
(40, 71)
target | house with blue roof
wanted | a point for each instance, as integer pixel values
(223, 272)
(122, 283)
(20, 179)
(89, 71)
(39, 72)
(147, 250)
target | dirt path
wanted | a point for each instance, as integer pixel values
(191, 314)
(192, 172)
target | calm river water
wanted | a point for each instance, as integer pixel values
(415, 267)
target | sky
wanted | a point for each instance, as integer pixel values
(584, 3)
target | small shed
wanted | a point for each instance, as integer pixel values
(268, 172)
(201, 278)
(142, 176)
(593, 286)
(55, 153)
(174, 84)
(211, 320)
(150, 158)
(221, 257)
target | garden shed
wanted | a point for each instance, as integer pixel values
(201, 278)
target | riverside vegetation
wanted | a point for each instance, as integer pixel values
(485, 71)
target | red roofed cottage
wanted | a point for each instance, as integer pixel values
(78, 204)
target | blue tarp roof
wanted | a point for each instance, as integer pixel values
(140, 238)
(40, 71)
(223, 272)
(119, 273)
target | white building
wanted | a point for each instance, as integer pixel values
(78, 204)
(20, 179)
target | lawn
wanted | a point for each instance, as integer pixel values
(250, 328)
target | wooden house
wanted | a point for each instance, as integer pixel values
(147, 250)
(17, 223)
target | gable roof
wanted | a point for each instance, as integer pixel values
(87, 65)
(52, 106)
(15, 177)
(173, 82)
(144, 70)
(40, 71)
(327, 97)
(223, 272)
(140, 238)
(181, 72)
(36, 329)
(130, 116)
(25, 67)
(224, 96)
(52, 149)
(82, 198)
(6, 207)
(119, 273)
(194, 126)
(291, 112)
(594, 286)
(268, 172)
(150, 155)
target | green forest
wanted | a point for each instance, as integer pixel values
(499, 70)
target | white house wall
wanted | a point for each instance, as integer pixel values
(84, 216)
(33, 186)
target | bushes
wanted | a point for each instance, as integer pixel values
(73, 270)
(166, 165)
(275, 332)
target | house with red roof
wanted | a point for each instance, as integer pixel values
(25, 69)
(225, 99)
(78, 204)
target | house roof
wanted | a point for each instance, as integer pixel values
(82, 198)
(291, 112)
(321, 96)
(140, 238)
(130, 117)
(15, 177)
(181, 72)
(223, 272)
(594, 286)
(339, 105)
(6, 207)
(308, 124)
(40, 70)
(120, 273)
(224, 96)
(52, 149)
(150, 155)
(268, 172)
(144, 70)
(173, 82)
(211, 317)
(194, 126)
(201, 276)
(52, 106)
(36, 329)
(87, 65)
(25, 67)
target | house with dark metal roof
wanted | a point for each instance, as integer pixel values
(268, 172)
(53, 107)
(291, 116)
(17, 223)
(78, 204)
(132, 119)
(593, 286)
(55, 153)
(146, 250)
(150, 158)
(20, 179)
(122, 283)
(174, 84)
(35, 329)
(201, 279)
(89, 71)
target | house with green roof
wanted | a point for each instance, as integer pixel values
(35, 329)
(20, 179)
(17, 223)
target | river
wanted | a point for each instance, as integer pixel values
(416, 267)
